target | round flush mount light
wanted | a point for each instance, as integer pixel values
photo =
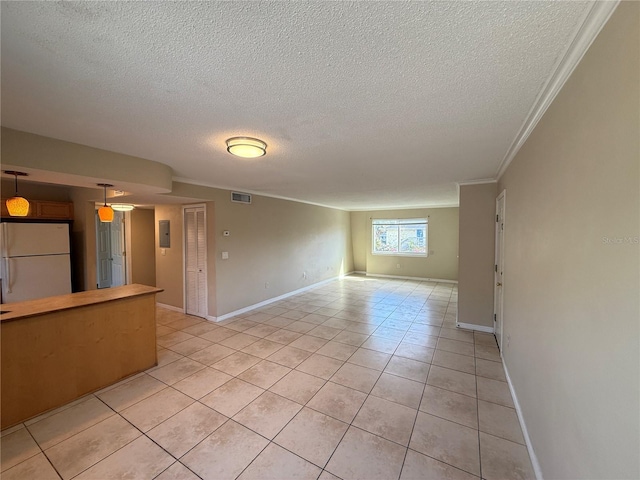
(122, 207)
(246, 147)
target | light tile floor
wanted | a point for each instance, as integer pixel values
(359, 378)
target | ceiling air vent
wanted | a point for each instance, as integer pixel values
(240, 197)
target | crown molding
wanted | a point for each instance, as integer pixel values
(596, 17)
(482, 181)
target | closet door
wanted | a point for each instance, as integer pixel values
(195, 261)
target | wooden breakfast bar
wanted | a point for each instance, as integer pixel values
(57, 349)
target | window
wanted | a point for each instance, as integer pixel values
(402, 236)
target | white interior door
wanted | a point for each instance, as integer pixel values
(499, 269)
(103, 253)
(118, 276)
(195, 241)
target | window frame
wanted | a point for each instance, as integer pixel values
(398, 222)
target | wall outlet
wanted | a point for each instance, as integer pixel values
(163, 251)
(225, 255)
(398, 265)
(266, 284)
(304, 275)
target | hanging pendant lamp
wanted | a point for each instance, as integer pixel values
(105, 213)
(17, 206)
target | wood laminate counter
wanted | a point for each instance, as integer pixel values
(31, 308)
(57, 349)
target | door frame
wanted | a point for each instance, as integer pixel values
(184, 259)
(498, 300)
(119, 217)
(126, 243)
(127, 246)
(97, 225)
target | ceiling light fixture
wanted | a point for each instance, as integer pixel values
(18, 206)
(246, 147)
(122, 207)
(105, 212)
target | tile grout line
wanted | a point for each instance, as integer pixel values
(41, 451)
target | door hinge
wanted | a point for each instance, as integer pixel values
(496, 268)
(497, 218)
(495, 317)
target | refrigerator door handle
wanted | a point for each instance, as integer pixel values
(7, 270)
(5, 239)
(5, 253)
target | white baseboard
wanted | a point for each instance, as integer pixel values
(278, 298)
(401, 277)
(473, 326)
(358, 272)
(525, 433)
(170, 307)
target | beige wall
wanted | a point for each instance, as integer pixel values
(272, 244)
(27, 150)
(443, 241)
(476, 251)
(571, 296)
(169, 272)
(35, 191)
(360, 237)
(84, 239)
(143, 251)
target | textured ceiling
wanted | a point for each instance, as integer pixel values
(362, 104)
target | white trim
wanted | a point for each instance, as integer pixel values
(170, 307)
(527, 440)
(278, 298)
(481, 181)
(472, 326)
(127, 247)
(595, 18)
(401, 277)
(360, 272)
(499, 227)
(417, 207)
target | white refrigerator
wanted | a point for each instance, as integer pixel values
(35, 260)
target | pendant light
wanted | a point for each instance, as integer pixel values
(17, 206)
(105, 212)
